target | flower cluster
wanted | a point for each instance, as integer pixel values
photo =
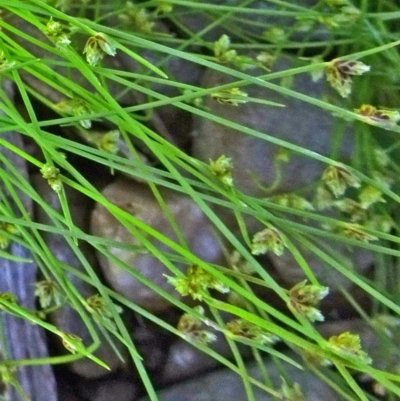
(52, 175)
(357, 232)
(222, 50)
(48, 293)
(316, 359)
(96, 47)
(77, 108)
(224, 54)
(233, 96)
(370, 195)
(238, 263)
(138, 19)
(304, 297)
(291, 393)
(386, 119)
(7, 228)
(293, 201)
(5, 63)
(352, 208)
(269, 239)
(349, 345)
(266, 59)
(7, 374)
(222, 169)
(8, 297)
(339, 72)
(164, 7)
(54, 31)
(98, 308)
(72, 342)
(109, 142)
(244, 329)
(191, 327)
(275, 34)
(345, 16)
(196, 283)
(337, 179)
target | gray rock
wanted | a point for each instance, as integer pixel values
(225, 385)
(151, 342)
(169, 121)
(357, 260)
(185, 361)
(139, 200)
(247, 24)
(253, 159)
(108, 389)
(22, 339)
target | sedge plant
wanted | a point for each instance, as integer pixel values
(351, 44)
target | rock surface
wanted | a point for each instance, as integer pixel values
(225, 385)
(185, 361)
(138, 200)
(254, 159)
(23, 340)
(356, 260)
(246, 24)
(109, 389)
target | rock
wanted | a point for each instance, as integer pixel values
(185, 361)
(137, 199)
(66, 390)
(254, 159)
(20, 339)
(169, 121)
(225, 385)
(109, 389)
(152, 343)
(356, 260)
(66, 318)
(248, 24)
(24, 341)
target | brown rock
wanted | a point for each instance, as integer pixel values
(67, 318)
(138, 200)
